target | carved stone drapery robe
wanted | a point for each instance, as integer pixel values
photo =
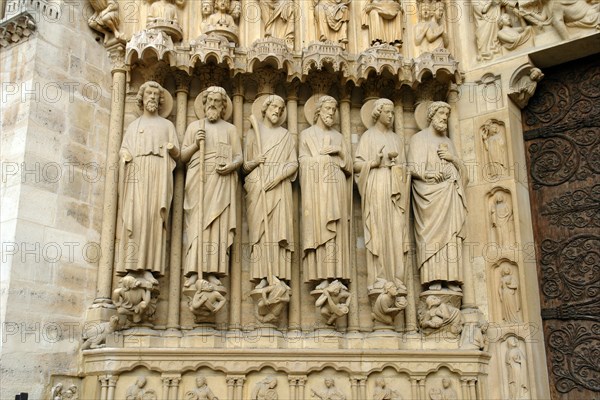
(383, 204)
(146, 191)
(325, 208)
(381, 16)
(439, 209)
(331, 18)
(222, 145)
(280, 150)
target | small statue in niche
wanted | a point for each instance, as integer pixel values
(383, 392)
(105, 18)
(221, 16)
(271, 164)
(94, 335)
(501, 215)
(325, 165)
(265, 389)
(213, 153)
(148, 153)
(208, 299)
(516, 368)
(511, 37)
(494, 143)
(329, 393)
(525, 87)
(331, 18)
(389, 302)
(380, 172)
(431, 32)
(446, 392)
(202, 391)
(279, 19)
(509, 296)
(136, 298)
(383, 18)
(165, 10)
(440, 316)
(137, 391)
(439, 201)
(334, 301)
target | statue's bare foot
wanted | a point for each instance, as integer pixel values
(191, 280)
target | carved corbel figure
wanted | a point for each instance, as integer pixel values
(208, 299)
(388, 299)
(333, 300)
(136, 298)
(440, 317)
(105, 19)
(95, 335)
(525, 87)
(271, 300)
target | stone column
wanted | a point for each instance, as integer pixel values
(166, 383)
(182, 92)
(354, 388)
(345, 127)
(235, 276)
(295, 283)
(293, 385)
(174, 388)
(112, 384)
(362, 388)
(414, 388)
(472, 388)
(103, 386)
(239, 388)
(109, 213)
(302, 387)
(230, 386)
(422, 393)
(465, 388)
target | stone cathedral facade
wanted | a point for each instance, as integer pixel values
(285, 199)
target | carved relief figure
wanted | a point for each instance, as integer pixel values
(265, 389)
(271, 163)
(135, 298)
(202, 391)
(329, 393)
(388, 304)
(487, 14)
(105, 18)
(383, 392)
(516, 368)
(439, 201)
(279, 19)
(441, 316)
(207, 300)
(448, 392)
(59, 393)
(525, 87)
(164, 10)
(383, 18)
(94, 335)
(379, 167)
(509, 296)
(325, 165)
(210, 221)
(511, 37)
(137, 391)
(492, 134)
(220, 17)
(271, 300)
(501, 215)
(331, 18)
(334, 301)
(431, 32)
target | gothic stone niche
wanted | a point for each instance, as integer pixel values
(139, 384)
(266, 384)
(214, 383)
(388, 385)
(443, 384)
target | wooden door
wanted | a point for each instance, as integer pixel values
(561, 125)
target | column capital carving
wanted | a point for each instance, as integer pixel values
(292, 89)
(267, 79)
(321, 82)
(182, 81)
(116, 54)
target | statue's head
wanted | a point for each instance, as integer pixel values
(200, 381)
(272, 108)
(438, 10)
(222, 5)
(446, 383)
(504, 20)
(380, 382)
(536, 74)
(325, 109)
(425, 11)
(438, 113)
(383, 110)
(214, 100)
(390, 288)
(329, 382)
(150, 96)
(140, 382)
(433, 301)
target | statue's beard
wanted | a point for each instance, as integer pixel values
(212, 114)
(439, 125)
(152, 106)
(328, 120)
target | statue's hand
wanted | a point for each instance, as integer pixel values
(260, 159)
(200, 136)
(329, 150)
(226, 169)
(271, 184)
(445, 154)
(434, 177)
(127, 157)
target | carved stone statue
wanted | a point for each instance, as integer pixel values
(431, 32)
(202, 391)
(388, 303)
(509, 296)
(207, 300)
(439, 201)
(213, 153)
(330, 392)
(59, 393)
(136, 298)
(516, 368)
(162, 16)
(382, 392)
(105, 18)
(487, 14)
(137, 391)
(441, 317)
(271, 163)
(383, 18)
(448, 392)
(331, 18)
(512, 37)
(325, 163)
(221, 17)
(474, 336)
(265, 389)
(148, 154)
(525, 87)
(271, 300)
(94, 335)
(494, 143)
(279, 19)
(379, 168)
(333, 301)
(501, 215)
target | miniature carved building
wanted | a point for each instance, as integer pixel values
(289, 200)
